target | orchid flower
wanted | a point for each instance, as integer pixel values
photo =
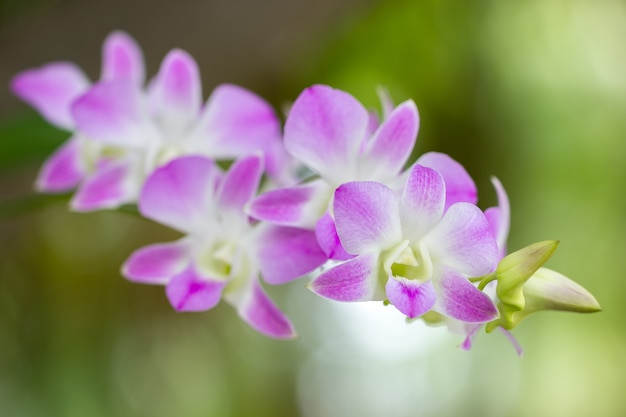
(409, 252)
(164, 122)
(329, 131)
(222, 252)
(51, 90)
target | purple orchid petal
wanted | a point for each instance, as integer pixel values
(260, 312)
(499, 217)
(299, 206)
(463, 241)
(353, 280)
(328, 239)
(235, 122)
(51, 89)
(423, 200)
(460, 186)
(240, 183)
(176, 92)
(115, 112)
(392, 143)
(367, 216)
(110, 186)
(178, 194)
(287, 253)
(188, 291)
(461, 300)
(158, 263)
(122, 59)
(63, 170)
(325, 130)
(471, 331)
(412, 297)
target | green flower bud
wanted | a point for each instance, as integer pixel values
(512, 273)
(524, 287)
(550, 290)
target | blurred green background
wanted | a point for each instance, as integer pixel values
(533, 92)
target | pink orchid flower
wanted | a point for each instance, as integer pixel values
(411, 251)
(329, 131)
(166, 121)
(53, 88)
(222, 252)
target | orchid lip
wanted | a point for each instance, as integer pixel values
(389, 257)
(409, 261)
(413, 264)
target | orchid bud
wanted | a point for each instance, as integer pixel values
(550, 290)
(513, 272)
(524, 287)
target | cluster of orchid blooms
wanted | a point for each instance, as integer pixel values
(326, 197)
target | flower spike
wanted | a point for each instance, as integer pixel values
(348, 211)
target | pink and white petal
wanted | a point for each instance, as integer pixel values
(158, 263)
(63, 170)
(367, 217)
(299, 206)
(259, 311)
(463, 241)
(494, 217)
(353, 280)
(110, 186)
(287, 253)
(234, 122)
(240, 183)
(412, 297)
(460, 187)
(179, 194)
(499, 217)
(122, 59)
(393, 142)
(423, 200)
(325, 130)
(189, 291)
(51, 89)
(176, 93)
(115, 112)
(328, 239)
(461, 300)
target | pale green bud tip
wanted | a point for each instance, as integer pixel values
(550, 290)
(547, 290)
